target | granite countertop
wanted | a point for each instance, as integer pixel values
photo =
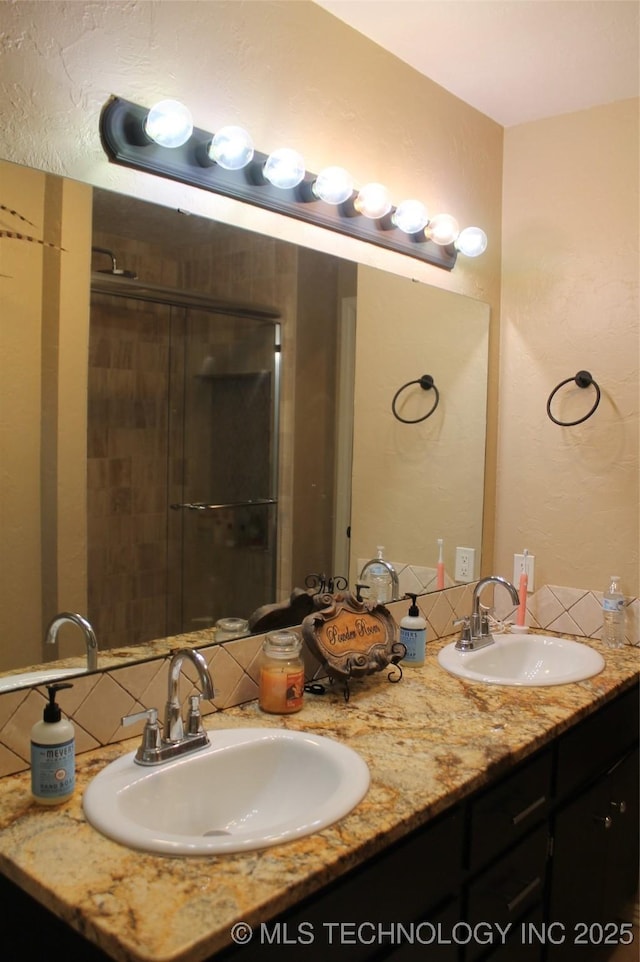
(429, 741)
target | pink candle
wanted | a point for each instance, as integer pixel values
(440, 566)
(522, 607)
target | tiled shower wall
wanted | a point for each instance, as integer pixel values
(127, 476)
(97, 702)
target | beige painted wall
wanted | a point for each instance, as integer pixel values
(43, 337)
(570, 302)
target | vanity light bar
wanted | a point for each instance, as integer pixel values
(124, 128)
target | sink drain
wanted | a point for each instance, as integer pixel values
(215, 831)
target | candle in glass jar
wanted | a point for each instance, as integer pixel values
(281, 684)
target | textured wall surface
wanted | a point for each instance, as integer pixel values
(570, 302)
(290, 72)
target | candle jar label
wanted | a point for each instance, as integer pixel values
(281, 689)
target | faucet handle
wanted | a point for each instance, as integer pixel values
(151, 715)
(464, 641)
(194, 718)
(484, 620)
(151, 740)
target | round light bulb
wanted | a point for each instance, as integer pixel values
(373, 201)
(169, 123)
(231, 148)
(410, 216)
(472, 241)
(442, 229)
(284, 168)
(333, 185)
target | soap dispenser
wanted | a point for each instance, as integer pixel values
(53, 754)
(413, 634)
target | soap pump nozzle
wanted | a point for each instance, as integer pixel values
(414, 611)
(52, 711)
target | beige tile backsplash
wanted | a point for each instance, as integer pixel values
(97, 702)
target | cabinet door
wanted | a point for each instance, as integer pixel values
(622, 851)
(594, 872)
(579, 854)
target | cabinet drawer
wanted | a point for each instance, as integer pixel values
(501, 815)
(512, 887)
(587, 750)
(524, 941)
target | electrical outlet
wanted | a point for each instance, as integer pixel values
(518, 568)
(465, 564)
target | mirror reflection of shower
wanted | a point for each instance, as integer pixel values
(182, 460)
(170, 366)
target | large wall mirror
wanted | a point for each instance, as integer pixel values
(196, 418)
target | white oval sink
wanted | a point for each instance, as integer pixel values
(249, 789)
(42, 676)
(521, 659)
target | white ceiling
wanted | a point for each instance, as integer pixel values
(514, 60)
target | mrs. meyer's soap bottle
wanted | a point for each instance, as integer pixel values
(413, 634)
(281, 686)
(53, 754)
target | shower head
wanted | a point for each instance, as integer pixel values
(119, 272)
(115, 271)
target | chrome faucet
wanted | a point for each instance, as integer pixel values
(179, 738)
(173, 726)
(475, 631)
(395, 584)
(51, 635)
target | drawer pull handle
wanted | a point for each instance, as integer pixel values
(520, 817)
(619, 806)
(513, 903)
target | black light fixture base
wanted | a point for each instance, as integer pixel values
(123, 138)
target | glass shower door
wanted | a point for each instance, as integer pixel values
(223, 466)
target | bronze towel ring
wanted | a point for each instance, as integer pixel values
(426, 383)
(583, 379)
